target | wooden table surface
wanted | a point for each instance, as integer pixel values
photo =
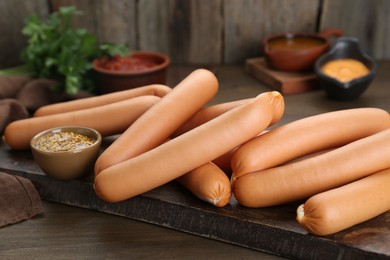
(72, 232)
(66, 232)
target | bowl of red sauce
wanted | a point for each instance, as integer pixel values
(141, 68)
(297, 52)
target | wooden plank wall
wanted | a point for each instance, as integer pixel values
(11, 24)
(367, 20)
(203, 31)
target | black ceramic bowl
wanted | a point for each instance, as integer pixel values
(345, 48)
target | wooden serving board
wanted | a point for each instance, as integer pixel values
(284, 82)
(273, 230)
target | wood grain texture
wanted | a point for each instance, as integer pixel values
(195, 29)
(369, 21)
(285, 82)
(116, 23)
(272, 229)
(88, 18)
(153, 30)
(66, 232)
(12, 17)
(111, 22)
(204, 32)
(247, 22)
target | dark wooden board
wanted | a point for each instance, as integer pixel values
(272, 230)
(284, 82)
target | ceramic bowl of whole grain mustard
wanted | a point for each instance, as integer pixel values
(67, 152)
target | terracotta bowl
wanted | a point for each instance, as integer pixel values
(345, 48)
(67, 165)
(297, 52)
(108, 81)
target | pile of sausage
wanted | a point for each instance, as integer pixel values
(337, 161)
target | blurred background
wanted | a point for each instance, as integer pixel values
(203, 31)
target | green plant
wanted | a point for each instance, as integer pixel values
(57, 51)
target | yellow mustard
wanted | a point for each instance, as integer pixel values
(345, 70)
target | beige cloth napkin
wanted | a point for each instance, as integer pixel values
(19, 199)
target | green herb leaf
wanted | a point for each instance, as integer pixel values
(57, 51)
(110, 50)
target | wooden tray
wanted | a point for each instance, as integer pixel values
(273, 230)
(284, 82)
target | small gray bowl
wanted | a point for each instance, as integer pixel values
(345, 48)
(67, 165)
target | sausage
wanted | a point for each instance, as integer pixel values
(307, 135)
(302, 179)
(340, 208)
(108, 120)
(208, 113)
(90, 102)
(160, 121)
(209, 183)
(224, 161)
(188, 151)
